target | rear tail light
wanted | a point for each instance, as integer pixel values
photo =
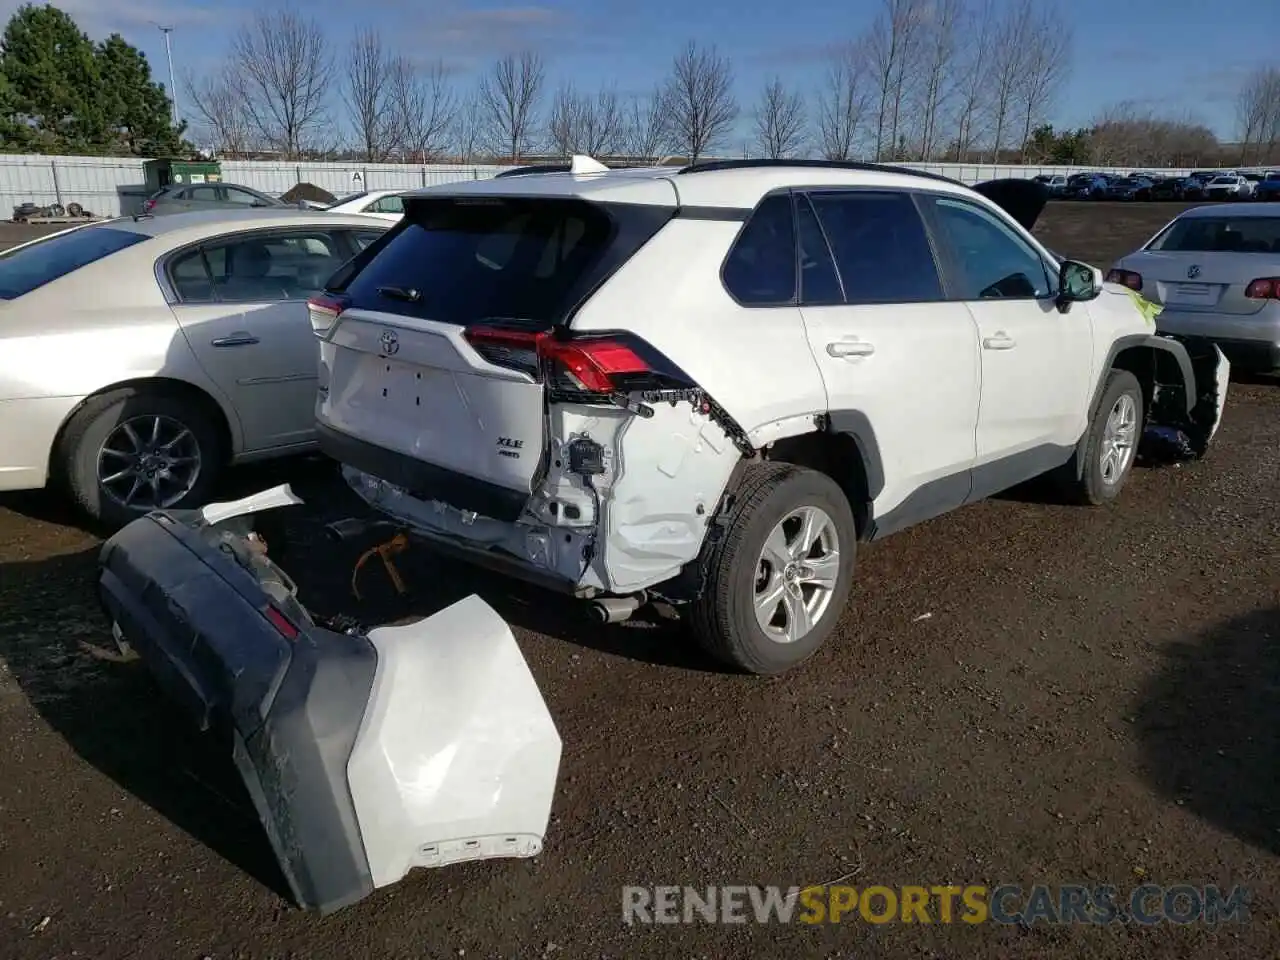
(596, 364)
(1264, 288)
(325, 309)
(284, 626)
(148, 206)
(1126, 277)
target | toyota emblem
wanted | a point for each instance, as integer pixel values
(390, 342)
(1193, 271)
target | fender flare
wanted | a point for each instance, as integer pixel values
(856, 424)
(1154, 342)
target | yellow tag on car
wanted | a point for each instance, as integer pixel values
(1148, 309)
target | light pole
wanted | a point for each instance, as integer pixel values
(173, 86)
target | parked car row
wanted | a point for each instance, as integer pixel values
(185, 198)
(1201, 185)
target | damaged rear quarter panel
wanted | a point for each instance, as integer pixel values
(669, 471)
(663, 477)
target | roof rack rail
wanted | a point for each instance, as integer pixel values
(712, 165)
(534, 168)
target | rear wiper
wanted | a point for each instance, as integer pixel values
(400, 293)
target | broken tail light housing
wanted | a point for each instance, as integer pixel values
(1264, 288)
(1125, 277)
(324, 310)
(597, 364)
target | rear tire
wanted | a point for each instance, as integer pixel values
(97, 461)
(1098, 472)
(765, 551)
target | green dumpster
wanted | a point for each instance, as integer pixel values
(163, 172)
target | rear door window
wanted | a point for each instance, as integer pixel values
(1220, 235)
(467, 260)
(881, 249)
(23, 270)
(259, 268)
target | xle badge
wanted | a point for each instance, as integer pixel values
(510, 447)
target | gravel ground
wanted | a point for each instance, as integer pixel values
(1020, 692)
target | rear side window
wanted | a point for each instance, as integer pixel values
(1220, 235)
(760, 270)
(880, 246)
(22, 271)
(470, 260)
(391, 204)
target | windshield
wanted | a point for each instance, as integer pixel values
(347, 199)
(26, 268)
(1223, 180)
(1220, 235)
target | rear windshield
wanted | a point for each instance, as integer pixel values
(468, 260)
(1220, 235)
(23, 270)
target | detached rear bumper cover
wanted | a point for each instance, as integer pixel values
(421, 744)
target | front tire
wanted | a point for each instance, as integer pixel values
(779, 575)
(1102, 466)
(137, 449)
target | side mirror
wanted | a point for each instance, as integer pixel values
(1077, 282)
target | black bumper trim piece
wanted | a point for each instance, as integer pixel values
(424, 480)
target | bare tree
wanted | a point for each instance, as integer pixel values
(1258, 114)
(1008, 65)
(284, 70)
(1046, 60)
(1125, 135)
(698, 100)
(581, 123)
(892, 45)
(843, 102)
(367, 95)
(423, 106)
(976, 57)
(509, 95)
(219, 106)
(779, 121)
(645, 126)
(939, 35)
(467, 129)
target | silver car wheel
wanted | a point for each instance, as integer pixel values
(149, 462)
(1118, 439)
(796, 574)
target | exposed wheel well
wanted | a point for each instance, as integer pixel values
(177, 388)
(835, 454)
(1158, 373)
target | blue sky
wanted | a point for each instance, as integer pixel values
(1173, 56)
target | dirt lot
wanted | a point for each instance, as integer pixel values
(1021, 692)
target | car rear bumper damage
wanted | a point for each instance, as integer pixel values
(366, 752)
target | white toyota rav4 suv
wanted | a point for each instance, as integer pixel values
(706, 385)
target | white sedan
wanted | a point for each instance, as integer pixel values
(139, 356)
(384, 204)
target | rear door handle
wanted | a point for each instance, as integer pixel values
(1001, 341)
(851, 348)
(240, 338)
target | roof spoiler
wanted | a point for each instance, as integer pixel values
(1024, 200)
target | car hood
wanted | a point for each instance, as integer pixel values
(1024, 200)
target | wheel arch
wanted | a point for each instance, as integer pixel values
(224, 422)
(844, 448)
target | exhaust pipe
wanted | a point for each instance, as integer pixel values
(616, 609)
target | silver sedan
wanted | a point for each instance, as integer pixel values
(1216, 270)
(139, 356)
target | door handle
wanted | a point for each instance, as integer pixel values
(238, 339)
(1001, 341)
(851, 348)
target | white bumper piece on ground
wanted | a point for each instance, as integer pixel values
(366, 754)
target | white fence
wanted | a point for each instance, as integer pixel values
(112, 186)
